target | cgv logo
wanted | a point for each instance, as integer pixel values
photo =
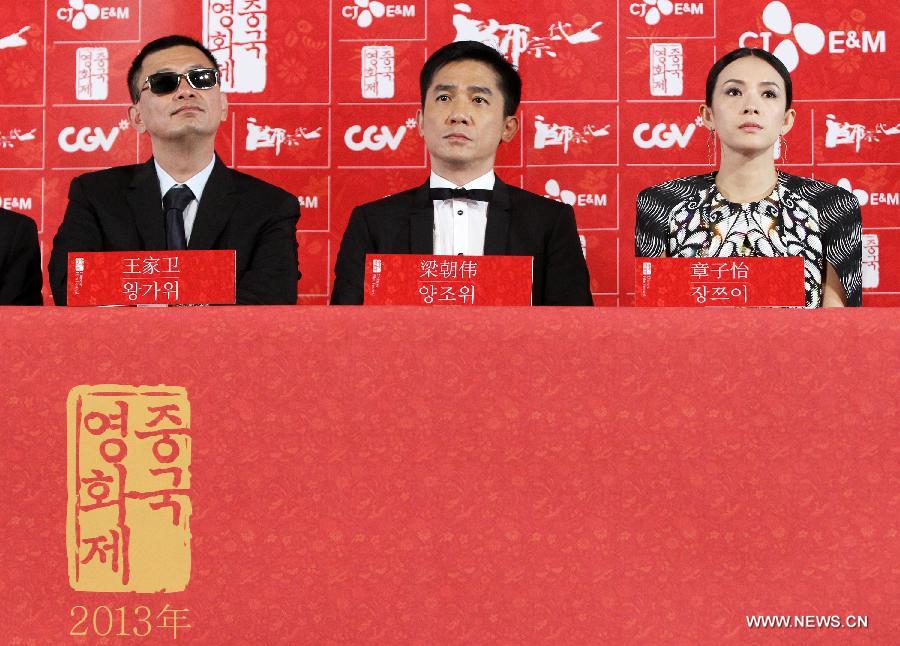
(79, 13)
(87, 140)
(810, 38)
(663, 135)
(376, 138)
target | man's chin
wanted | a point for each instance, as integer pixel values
(458, 158)
(189, 131)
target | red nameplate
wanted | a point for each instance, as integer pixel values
(404, 279)
(151, 277)
(711, 282)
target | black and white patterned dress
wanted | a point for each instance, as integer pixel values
(689, 217)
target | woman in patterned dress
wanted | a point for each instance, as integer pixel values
(747, 207)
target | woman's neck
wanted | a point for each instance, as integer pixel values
(746, 179)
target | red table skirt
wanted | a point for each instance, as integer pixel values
(402, 475)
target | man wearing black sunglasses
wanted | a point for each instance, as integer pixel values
(184, 197)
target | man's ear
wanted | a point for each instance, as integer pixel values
(136, 118)
(510, 128)
(223, 102)
(419, 118)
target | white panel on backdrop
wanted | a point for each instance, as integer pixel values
(91, 73)
(870, 260)
(377, 74)
(666, 69)
(235, 32)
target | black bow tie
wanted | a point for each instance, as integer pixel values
(477, 194)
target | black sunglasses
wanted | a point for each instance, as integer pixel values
(167, 82)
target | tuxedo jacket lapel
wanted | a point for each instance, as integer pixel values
(421, 222)
(144, 200)
(216, 207)
(496, 231)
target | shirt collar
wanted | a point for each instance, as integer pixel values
(485, 182)
(196, 183)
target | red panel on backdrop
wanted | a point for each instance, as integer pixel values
(395, 475)
(611, 91)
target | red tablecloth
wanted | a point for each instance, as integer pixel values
(395, 475)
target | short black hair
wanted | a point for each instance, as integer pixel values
(166, 42)
(742, 52)
(469, 50)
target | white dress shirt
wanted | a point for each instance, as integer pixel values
(197, 183)
(459, 224)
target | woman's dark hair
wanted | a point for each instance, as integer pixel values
(467, 50)
(741, 52)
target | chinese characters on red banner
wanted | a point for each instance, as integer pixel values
(420, 279)
(129, 456)
(433, 287)
(720, 282)
(151, 277)
(717, 282)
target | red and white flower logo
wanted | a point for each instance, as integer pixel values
(809, 37)
(82, 12)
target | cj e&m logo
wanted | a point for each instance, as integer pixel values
(652, 11)
(870, 198)
(554, 191)
(308, 201)
(365, 12)
(664, 135)
(88, 140)
(810, 38)
(79, 13)
(16, 203)
(376, 138)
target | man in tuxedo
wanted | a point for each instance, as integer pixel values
(20, 260)
(470, 95)
(184, 197)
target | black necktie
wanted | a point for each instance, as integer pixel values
(477, 194)
(175, 201)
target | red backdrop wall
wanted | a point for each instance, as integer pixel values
(322, 94)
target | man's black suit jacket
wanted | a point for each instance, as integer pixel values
(120, 209)
(20, 260)
(519, 223)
